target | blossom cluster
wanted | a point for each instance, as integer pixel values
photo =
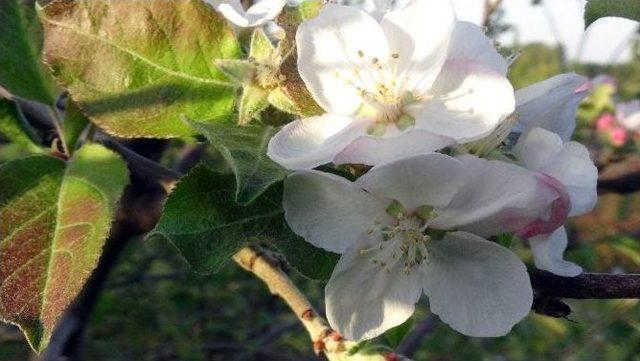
(455, 158)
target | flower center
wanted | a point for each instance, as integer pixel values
(383, 99)
(404, 240)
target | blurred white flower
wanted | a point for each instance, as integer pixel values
(570, 165)
(257, 14)
(414, 82)
(628, 115)
(417, 225)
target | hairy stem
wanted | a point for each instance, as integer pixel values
(325, 340)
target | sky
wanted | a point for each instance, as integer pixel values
(559, 22)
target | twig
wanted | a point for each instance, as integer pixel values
(279, 284)
(325, 340)
(620, 177)
(586, 285)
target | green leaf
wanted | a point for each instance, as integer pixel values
(21, 71)
(310, 261)
(205, 224)
(135, 67)
(15, 128)
(245, 150)
(203, 221)
(596, 9)
(279, 99)
(238, 71)
(395, 335)
(253, 101)
(74, 123)
(261, 48)
(54, 220)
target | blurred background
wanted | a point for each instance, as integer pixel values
(154, 308)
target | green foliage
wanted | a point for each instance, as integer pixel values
(245, 151)
(21, 71)
(135, 67)
(254, 100)
(55, 218)
(14, 127)
(395, 335)
(74, 124)
(536, 62)
(596, 9)
(203, 221)
(207, 226)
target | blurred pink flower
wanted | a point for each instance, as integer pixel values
(618, 136)
(606, 122)
(608, 127)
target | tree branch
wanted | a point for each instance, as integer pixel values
(620, 177)
(586, 285)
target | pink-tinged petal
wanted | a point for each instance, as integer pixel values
(558, 211)
(548, 251)
(477, 287)
(310, 142)
(551, 104)
(418, 35)
(467, 102)
(498, 197)
(336, 52)
(363, 301)
(329, 211)
(469, 43)
(431, 179)
(570, 163)
(372, 150)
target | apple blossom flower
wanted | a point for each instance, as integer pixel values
(412, 81)
(570, 166)
(417, 225)
(629, 115)
(551, 104)
(257, 14)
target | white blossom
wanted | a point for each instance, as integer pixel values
(570, 165)
(628, 115)
(409, 82)
(551, 104)
(257, 14)
(416, 226)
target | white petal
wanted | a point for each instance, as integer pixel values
(548, 251)
(256, 15)
(372, 150)
(328, 211)
(310, 142)
(470, 43)
(551, 104)
(467, 102)
(336, 48)
(570, 163)
(363, 301)
(498, 197)
(477, 287)
(419, 34)
(431, 179)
